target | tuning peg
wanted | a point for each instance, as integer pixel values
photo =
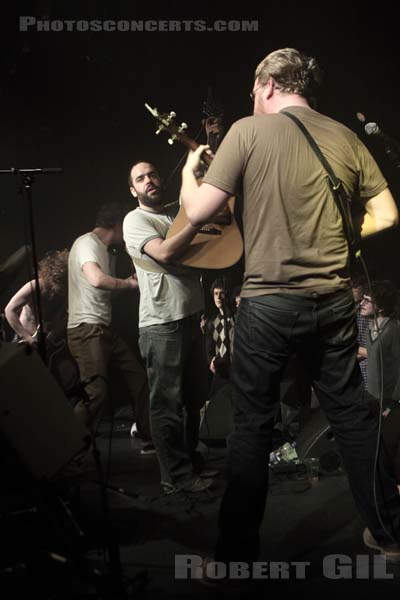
(153, 111)
(160, 129)
(172, 139)
(182, 127)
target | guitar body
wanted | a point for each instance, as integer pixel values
(217, 245)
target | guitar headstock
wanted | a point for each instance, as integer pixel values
(167, 123)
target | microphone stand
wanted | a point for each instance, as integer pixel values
(112, 585)
(25, 180)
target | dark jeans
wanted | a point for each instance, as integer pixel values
(96, 349)
(391, 437)
(322, 331)
(176, 370)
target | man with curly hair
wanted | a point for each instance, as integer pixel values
(295, 295)
(20, 312)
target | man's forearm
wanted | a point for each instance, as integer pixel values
(201, 203)
(381, 213)
(13, 320)
(172, 248)
(188, 191)
(372, 226)
(109, 283)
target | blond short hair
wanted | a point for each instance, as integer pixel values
(292, 71)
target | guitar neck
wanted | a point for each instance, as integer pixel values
(213, 141)
(193, 145)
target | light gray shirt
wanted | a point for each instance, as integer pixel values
(87, 304)
(167, 292)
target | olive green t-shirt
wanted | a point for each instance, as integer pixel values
(293, 233)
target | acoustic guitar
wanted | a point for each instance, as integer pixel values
(219, 244)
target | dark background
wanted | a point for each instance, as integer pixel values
(76, 100)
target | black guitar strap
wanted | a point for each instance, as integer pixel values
(336, 186)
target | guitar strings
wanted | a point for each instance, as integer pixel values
(168, 181)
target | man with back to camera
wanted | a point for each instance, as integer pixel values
(296, 294)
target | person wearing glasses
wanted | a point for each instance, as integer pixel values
(296, 294)
(383, 341)
(381, 310)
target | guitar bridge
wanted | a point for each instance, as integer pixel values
(209, 230)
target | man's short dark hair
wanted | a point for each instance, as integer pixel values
(385, 295)
(137, 162)
(358, 281)
(111, 214)
(218, 284)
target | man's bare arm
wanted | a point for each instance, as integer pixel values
(200, 203)
(381, 214)
(98, 279)
(12, 311)
(168, 250)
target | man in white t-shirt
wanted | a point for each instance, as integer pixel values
(92, 341)
(170, 340)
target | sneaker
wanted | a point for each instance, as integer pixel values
(193, 486)
(200, 469)
(168, 489)
(392, 553)
(206, 473)
(133, 432)
(147, 449)
(197, 484)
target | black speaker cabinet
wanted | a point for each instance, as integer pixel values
(36, 419)
(316, 440)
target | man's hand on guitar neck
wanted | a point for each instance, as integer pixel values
(193, 161)
(214, 131)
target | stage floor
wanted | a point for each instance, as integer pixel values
(313, 530)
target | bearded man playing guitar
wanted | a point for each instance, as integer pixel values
(170, 340)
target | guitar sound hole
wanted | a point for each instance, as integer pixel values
(224, 218)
